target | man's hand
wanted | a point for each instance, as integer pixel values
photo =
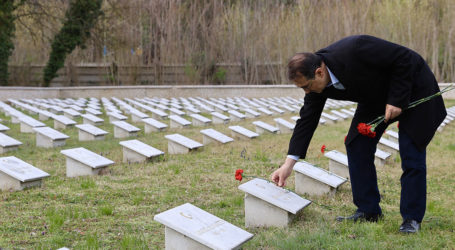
(280, 175)
(391, 112)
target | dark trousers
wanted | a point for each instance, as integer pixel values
(363, 177)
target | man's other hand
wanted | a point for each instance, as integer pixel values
(391, 112)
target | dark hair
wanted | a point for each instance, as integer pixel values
(304, 63)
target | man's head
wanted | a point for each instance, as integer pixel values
(308, 71)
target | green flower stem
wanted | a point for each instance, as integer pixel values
(380, 119)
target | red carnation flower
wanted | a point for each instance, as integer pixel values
(345, 138)
(365, 129)
(398, 124)
(323, 148)
(238, 174)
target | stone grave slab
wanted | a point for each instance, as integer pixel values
(330, 119)
(56, 110)
(123, 129)
(388, 146)
(381, 157)
(242, 133)
(262, 127)
(393, 136)
(213, 136)
(62, 122)
(44, 115)
(312, 180)
(152, 125)
(71, 113)
(179, 144)
(338, 163)
(265, 111)
(137, 116)
(93, 111)
(16, 174)
(115, 116)
(219, 118)
(178, 122)
(137, 151)
(350, 113)
(199, 120)
(236, 116)
(339, 114)
(277, 110)
(192, 110)
(189, 227)
(49, 138)
(91, 119)
(284, 126)
(3, 128)
(88, 132)
(249, 113)
(8, 143)
(28, 124)
(174, 111)
(81, 161)
(269, 205)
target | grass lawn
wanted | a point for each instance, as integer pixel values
(115, 211)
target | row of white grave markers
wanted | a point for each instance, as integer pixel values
(179, 235)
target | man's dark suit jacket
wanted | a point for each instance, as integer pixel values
(374, 73)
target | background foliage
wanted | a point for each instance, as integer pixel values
(79, 20)
(205, 32)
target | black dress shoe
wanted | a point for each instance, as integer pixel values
(360, 216)
(409, 226)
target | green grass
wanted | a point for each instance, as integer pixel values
(116, 210)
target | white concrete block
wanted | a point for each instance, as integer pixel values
(16, 174)
(313, 180)
(137, 151)
(80, 162)
(189, 227)
(338, 163)
(269, 205)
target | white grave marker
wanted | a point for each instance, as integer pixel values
(8, 143)
(81, 161)
(179, 144)
(262, 127)
(338, 163)
(242, 133)
(62, 122)
(313, 180)
(123, 129)
(388, 146)
(269, 205)
(137, 151)
(284, 126)
(28, 123)
(3, 128)
(179, 122)
(152, 125)
(91, 119)
(88, 132)
(236, 116)
(191, 228)
(211, 135)
(16, 174)
(49, 138)
(199, 120)
(219, 118)
(115, 116)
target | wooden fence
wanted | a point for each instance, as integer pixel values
(113, 75)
